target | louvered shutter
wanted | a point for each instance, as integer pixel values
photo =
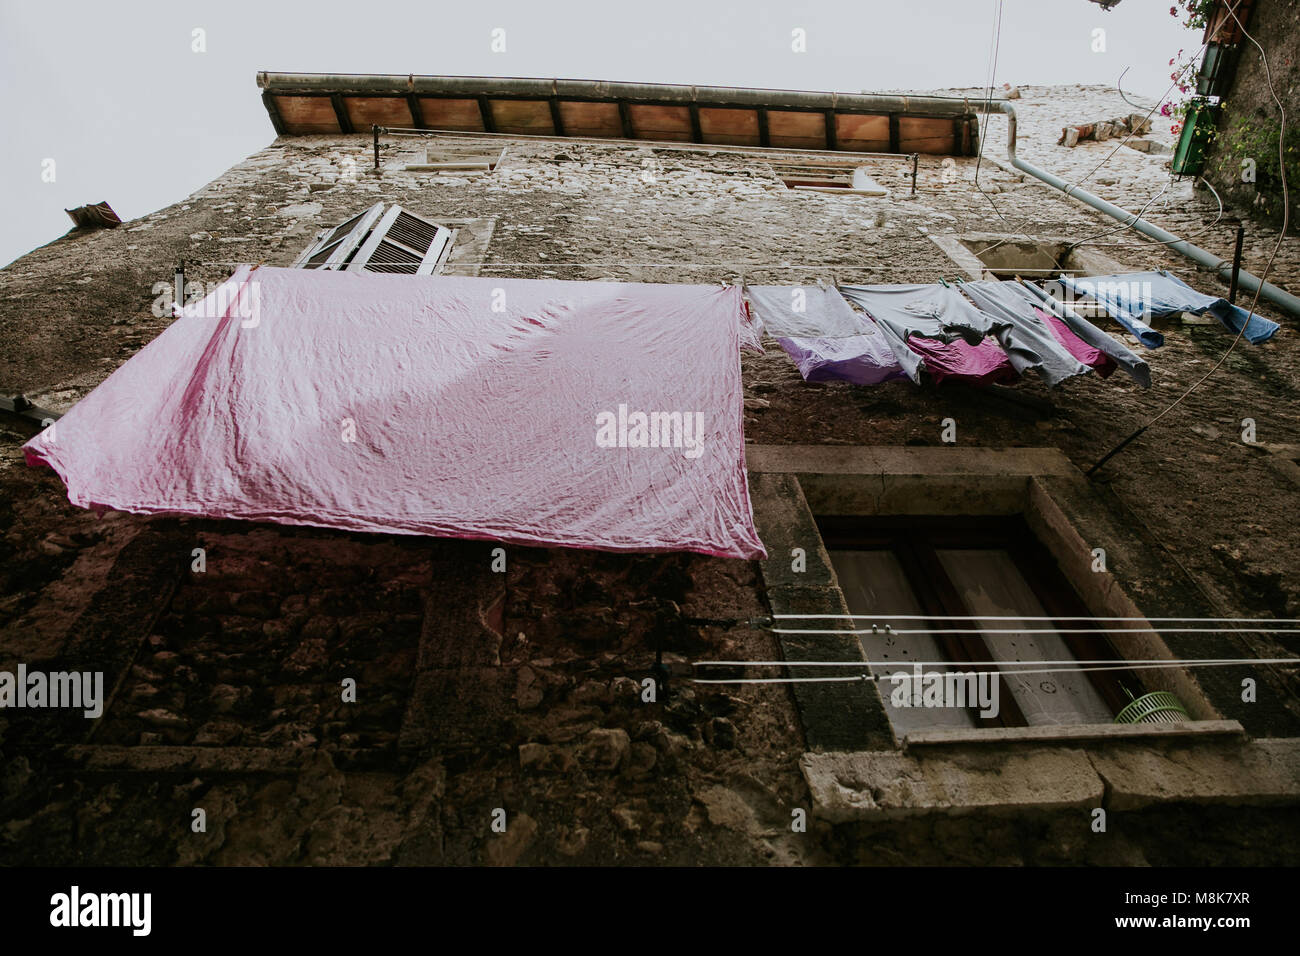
(404, 243)
(332, 248)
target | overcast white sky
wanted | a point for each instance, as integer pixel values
(114, 93)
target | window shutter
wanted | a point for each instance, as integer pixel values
(332, 247)
(403, 243)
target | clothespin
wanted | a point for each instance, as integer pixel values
(943, 282)
(178, 290)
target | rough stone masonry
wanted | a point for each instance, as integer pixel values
(522, 691)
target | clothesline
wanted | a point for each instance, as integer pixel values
(1040, 630)
(1069, 663)
(1000, 668)
(983, 331)
(1014, 617)
(713, 264)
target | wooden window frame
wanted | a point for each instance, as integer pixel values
(346, 246)
(462, 166)
(432, 258)
(356, 249)
(915, 542)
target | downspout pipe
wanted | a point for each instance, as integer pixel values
(1222, 267)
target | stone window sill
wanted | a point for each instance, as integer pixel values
(1073, 734)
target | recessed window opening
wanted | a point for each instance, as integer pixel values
(458, 158)
(944, 568)
(1009, 257)
(828, 176)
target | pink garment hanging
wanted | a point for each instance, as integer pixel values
(982, 364)
(541, 412)
(1094, 358)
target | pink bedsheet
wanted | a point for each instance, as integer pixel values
(506, 409)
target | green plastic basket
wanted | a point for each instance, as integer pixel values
(1158, 707)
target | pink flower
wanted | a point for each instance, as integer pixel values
(1166, 110)
(1173, 11)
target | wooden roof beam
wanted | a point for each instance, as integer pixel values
(341, 112)
(485, 114)
(417, 111)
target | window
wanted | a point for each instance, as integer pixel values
(1006, 257)
(829, 177)
(458, 158)
(396, 241)
(334, 248)
(939, 569)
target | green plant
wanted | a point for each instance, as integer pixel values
(1256, 140)
(1198, 12)
(1184, 74)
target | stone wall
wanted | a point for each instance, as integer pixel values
(1249, 124)
(522, 690)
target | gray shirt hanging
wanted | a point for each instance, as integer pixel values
(805, 311)
(1026, 339)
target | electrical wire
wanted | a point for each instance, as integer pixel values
(1070, 664)
(1123, 225)
(716, 264)
(1286, 221)
(977, 631)
(1205, 230)
(1017, 617)
(1119, 88)
(995, 47)
(1176, 79)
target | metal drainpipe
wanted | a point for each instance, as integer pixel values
(1223, 267)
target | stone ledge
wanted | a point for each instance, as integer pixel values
(1115, 774)
(867, 785)
(907, 461)
(1263, 772)
(1081, 732)
(111, 759)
